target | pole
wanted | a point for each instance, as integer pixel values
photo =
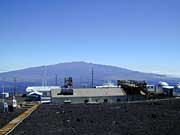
(44, 80)
(56, 80)
(15, 86)
(45, 75)
(3, 89)
(92, 78)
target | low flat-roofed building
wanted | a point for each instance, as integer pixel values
(45, 90)
(89, 95)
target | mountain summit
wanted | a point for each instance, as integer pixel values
(80, 71)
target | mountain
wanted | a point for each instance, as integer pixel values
(81, 72)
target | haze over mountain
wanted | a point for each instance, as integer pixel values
(80, 71)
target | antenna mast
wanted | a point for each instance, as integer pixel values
(15, 86)
(3, 88)
(56, 83)
(44, 80)
(92, 78)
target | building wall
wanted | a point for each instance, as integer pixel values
(135, 98)
(59, 99)
(159, 90)
(82, 100)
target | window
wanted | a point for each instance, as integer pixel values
(105, 100)
(86, 101)
(67, 101)
(118, 100)
(46, 93)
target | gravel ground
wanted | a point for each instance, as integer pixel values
(156, 118)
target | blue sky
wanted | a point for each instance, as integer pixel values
(141, 35)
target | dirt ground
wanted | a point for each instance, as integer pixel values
(156, 118)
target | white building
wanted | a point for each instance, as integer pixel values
(43, 91)
(151, 88)
(164, 88)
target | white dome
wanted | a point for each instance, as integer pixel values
(163, 84)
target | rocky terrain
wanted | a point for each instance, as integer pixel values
(152, 118)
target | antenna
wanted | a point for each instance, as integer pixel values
(56, 83)
(45, 76)
(15, 86)
(92, 78)
(3, 88)
(44, 80)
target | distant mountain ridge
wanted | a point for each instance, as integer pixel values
(80, 71)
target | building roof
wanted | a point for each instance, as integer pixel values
(35, 93)
(163, 84)
(41, 88)
(93, 92)
(168, 87)
(4, 93)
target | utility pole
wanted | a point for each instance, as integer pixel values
(3, 88)
(92, 78)
(56, 79)
(44, 80)
(15, 86)
(45, 76)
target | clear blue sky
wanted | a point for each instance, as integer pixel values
(141, 35)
